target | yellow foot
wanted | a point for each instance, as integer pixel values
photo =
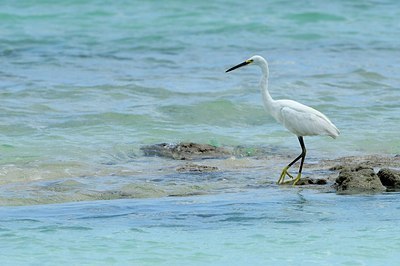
(284, 173)
(297, 179)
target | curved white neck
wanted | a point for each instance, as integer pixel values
(267, 99)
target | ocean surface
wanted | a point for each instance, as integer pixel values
(85, 84)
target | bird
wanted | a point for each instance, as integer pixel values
(298, 118)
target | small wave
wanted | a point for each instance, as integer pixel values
(369, 74)
(313, 17)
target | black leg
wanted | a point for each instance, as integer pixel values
(303, 153)
(295, 160)
(302, 156)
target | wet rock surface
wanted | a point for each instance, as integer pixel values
(195, 168)
(311, 181)
(195, 151)
(185, 151)
(356, 173)
(390, 178)
(186, 169)
(358, 179)
(375, 161)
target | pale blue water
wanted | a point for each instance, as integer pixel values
(85, 84)
(262, 227)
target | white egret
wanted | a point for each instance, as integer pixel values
(299, 119)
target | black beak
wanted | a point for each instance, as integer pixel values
(240, 65)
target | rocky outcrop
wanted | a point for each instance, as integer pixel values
(185, 151)
(358, 179)
(390, 178)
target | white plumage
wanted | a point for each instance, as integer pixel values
(302, 120)
(298, 118)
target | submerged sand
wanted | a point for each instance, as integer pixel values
(183, 169)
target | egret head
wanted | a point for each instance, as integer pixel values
(256, 59)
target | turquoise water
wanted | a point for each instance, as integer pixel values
(85, 84)
(262, 227)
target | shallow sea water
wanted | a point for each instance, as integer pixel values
(267, 226)
(85, 84)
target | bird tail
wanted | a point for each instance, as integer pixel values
(333, 131)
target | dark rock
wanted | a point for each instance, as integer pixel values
(191, 167)
(336, 167)
(304, 181)
(309, 181)
(390, 178)
(358, 179)
(185, 151)
(320, 181)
